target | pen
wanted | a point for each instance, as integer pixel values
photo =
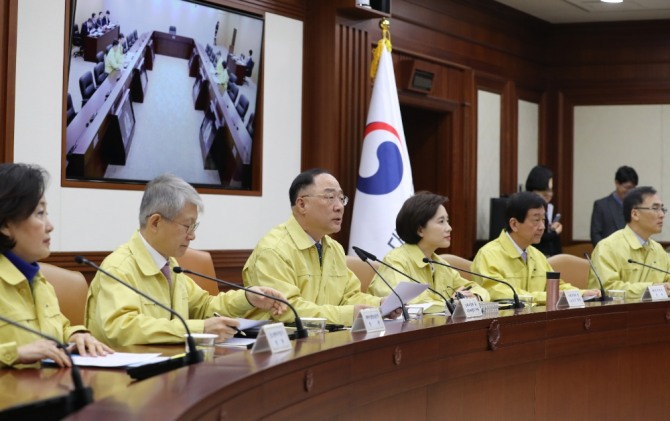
(234, 327)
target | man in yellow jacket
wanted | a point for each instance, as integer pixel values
(644, 213)
(121, 317)
(512, 258)
(317, 283)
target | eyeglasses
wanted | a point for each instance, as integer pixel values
(656, 209)
(190, 229)
(330, 198)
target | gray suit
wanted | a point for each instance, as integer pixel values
(606, 218)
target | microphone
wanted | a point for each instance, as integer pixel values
(603, 295)
(447, 302)
(300, 331)
(144, 371)
(648, 266)
(364, 256)
(58, 407)
(517, 303)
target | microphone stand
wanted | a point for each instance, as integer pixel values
(300, 331)
(517, 303)
(364, 257)
(193, 356)
(603, 294)
(52, 408)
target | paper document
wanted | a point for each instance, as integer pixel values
(407, 292)
(117, 359)
(237, 343)
(249, 324)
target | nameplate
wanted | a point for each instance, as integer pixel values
(467, 308)
(655, 293)
(570, 298)
(272, 338)
(368, 320)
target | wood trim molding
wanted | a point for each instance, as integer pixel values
(8, 31)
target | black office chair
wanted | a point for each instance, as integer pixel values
(134, 36)
(70, 109)
(100, 57)
(242, 106)
(87, 87)
(99, 73)
(107, 48)
(173, 30)
(77, 41)
(233, 90)
(250, 124)
(232, 78)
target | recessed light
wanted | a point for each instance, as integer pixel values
(612, 1)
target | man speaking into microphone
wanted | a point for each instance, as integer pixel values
(300, 259)
(168, 221)
(644, 214)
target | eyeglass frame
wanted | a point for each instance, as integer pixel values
(653, 208)
(330, 197)
(190, 229)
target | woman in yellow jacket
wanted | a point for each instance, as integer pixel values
(25, 296)
(423, 224)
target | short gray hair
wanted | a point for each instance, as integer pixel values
(167, 195)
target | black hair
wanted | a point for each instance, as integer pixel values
(21, 189)
(304, 179)
(415, 213)
(519, 204)
(538, 178)
(626, 174)
(634, 198)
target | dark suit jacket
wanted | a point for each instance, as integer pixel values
(606, 218)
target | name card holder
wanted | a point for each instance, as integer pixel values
(570, 298)
(273, 338)
(368, 320)
(467, 308)
(655, 293)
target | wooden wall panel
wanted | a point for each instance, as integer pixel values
(8, 15)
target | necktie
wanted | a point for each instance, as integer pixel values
(166, 271)
(524, 256)
(319, 250)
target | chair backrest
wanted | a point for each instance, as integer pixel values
(99, 72)
(362, 270)
(242, 106)
(100, 57)
(86, 86)
(71, 290)
(574, 270)
(70, 109)
(200, 261)
(459, 262)
(173, 30)
(233, 90)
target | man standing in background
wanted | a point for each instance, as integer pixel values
(607, 215)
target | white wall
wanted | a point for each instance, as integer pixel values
(528, 132)
(607, 137)
(488, 157)
(99, 219)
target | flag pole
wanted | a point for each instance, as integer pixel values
(384, 25)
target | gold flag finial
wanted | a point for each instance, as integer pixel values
(384, 24)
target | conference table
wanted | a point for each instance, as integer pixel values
(604, 361)
(92, 141)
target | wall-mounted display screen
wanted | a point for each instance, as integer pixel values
(175, 59)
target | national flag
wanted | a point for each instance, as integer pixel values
(385, 177)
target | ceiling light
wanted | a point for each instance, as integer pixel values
(612, 1)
